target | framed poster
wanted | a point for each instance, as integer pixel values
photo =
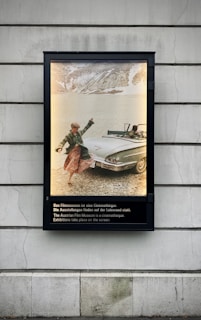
(99, 141)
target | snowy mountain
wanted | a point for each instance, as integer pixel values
(99, 78)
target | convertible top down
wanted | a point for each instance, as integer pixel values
(118, 151)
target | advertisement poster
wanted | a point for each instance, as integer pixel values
(98, 141)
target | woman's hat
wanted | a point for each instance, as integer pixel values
(75, 125)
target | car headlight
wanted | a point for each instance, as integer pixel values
(112, 159)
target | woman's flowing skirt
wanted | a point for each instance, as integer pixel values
(74, 163)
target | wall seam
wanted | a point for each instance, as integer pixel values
(123, 26)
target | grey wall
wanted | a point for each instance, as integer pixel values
(89, 273)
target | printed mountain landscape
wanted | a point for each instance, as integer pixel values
(98, 78)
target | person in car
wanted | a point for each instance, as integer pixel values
(134, 132)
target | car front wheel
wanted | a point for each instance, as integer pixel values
(141, 166)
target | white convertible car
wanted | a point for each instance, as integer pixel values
(120, 150)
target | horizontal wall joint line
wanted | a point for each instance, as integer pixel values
(176, 103)
(168, 185)
(21, 185)
(99, 25)
(21, 227)
(103, 271)
(21, 63)
(21, 102)
(22, 143)
(177, 144)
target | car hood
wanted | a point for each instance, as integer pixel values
(107, 145)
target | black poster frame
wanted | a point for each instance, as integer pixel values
(140, 208)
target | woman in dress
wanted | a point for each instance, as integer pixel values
(78, 158)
